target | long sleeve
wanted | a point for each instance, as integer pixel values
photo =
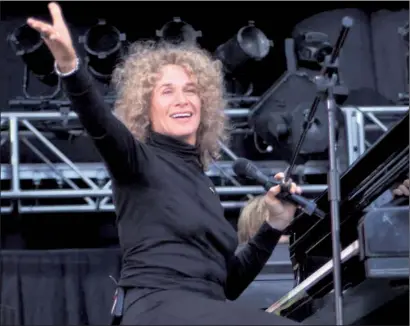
(122, 153)
(248, 262)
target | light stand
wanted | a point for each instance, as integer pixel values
(327, 88)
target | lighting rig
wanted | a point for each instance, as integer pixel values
(280, 116)
(60, 182)
(75, 186)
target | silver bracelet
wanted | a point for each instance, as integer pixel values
(66, 74)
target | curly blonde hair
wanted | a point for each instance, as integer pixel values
(135, 78)
(252, 216)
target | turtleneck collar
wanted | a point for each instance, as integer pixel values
(167, 143)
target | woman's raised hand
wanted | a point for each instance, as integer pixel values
(57, 37)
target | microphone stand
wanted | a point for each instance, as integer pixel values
(326, 83)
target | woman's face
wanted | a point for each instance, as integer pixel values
(175, 104)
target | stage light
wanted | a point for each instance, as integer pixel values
(250, 43)
(30, 47)
(311, 49)
(103, 44)
(178, 31)
(280, 115)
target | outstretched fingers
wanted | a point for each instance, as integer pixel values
(56, 14)
(49, 31)
(45, 29)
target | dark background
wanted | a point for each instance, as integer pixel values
(373, 65)
(40, 286)
(218, 21)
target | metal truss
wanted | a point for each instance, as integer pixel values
(361, 120)
(86, 187)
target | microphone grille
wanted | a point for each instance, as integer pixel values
(347, 22)
(240, 166)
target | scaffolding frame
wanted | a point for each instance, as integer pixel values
(90, 181)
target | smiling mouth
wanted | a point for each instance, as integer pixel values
(181, 115)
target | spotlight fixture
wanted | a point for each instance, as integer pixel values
(27, 44)
(178, 31)
(103, 44)
(250, 43)
(311, 49)
(280, 115)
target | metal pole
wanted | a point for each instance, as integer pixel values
(48, 115)
(14, 155)
(66, 193)
(334, 198)
(227, 205)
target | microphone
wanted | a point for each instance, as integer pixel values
(245, 168)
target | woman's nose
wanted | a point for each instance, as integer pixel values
(181, 98)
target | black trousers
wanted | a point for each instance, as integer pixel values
(186, 308)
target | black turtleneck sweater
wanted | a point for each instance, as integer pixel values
(171, 224)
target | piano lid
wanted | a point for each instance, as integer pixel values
(374, 172)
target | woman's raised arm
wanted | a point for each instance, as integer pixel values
(122, 153)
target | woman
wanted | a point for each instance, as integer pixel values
(179, 265)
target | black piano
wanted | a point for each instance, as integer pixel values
(374, 243)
